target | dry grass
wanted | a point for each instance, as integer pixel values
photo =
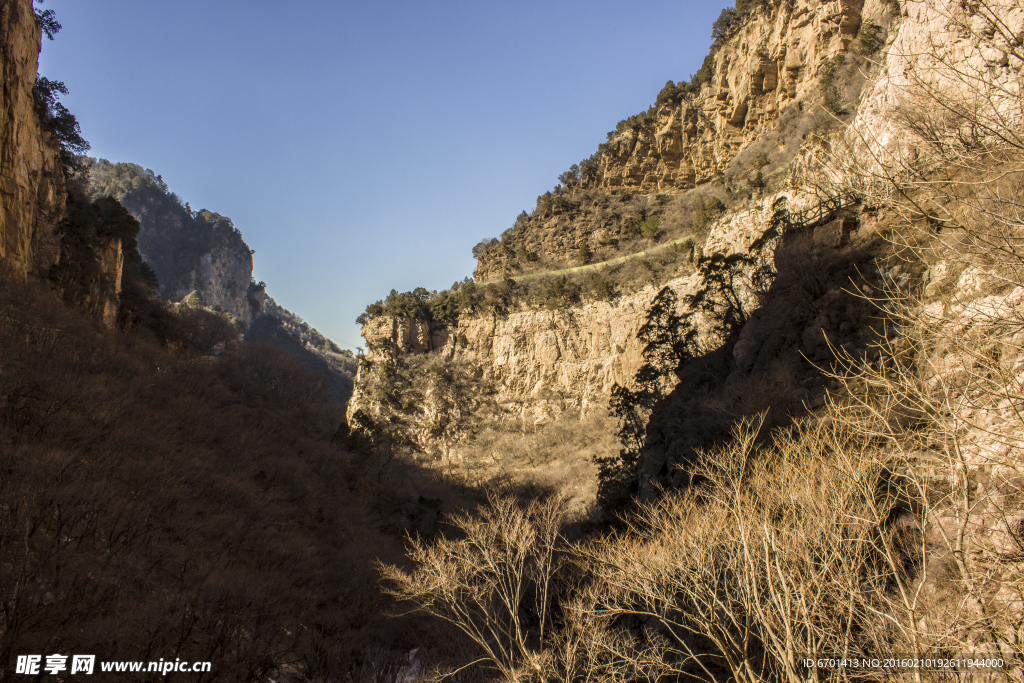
(542, 458)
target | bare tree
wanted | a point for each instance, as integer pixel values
(493, 582)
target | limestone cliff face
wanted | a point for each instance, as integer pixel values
(935, 54)
(31, 180)
(776, 59)
(222, 276)
(101, 297)
(540, 363)
(533, 364)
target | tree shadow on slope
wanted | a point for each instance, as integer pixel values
(781, 313)
(161, 503)
(266, 329)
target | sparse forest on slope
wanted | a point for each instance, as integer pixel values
(160, 503)
(777, 71)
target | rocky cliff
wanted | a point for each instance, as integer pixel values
(533, 365)
(671, 189)
(778, 73)
(539, 363)
(31, 179)
(784, 54)
(190, 251)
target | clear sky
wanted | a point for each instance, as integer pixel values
(364, 146)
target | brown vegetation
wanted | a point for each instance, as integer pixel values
(158, 502)
(892, 520)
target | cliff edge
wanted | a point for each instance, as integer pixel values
(31, 177)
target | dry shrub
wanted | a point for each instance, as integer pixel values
(788, 551)
(505, 579)
(502, 565)
(202, 330)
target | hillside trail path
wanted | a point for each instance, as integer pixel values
(591, 266)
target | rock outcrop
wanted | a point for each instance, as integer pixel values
(104, 297)
(31, 179)
(540, 362)
(222, 277)
(776, 59)
(935, 56)
(189, 251)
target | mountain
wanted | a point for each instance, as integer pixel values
(553, 321)
(743, 392)
(202, 256)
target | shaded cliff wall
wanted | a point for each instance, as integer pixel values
(190, 251)
(31, 179)
(223, 276)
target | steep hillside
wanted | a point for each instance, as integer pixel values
(288, 332)
(159, 500)
(201, 255)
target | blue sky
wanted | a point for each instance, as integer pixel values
(364, 146)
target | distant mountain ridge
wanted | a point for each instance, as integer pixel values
(202, 256)
(190, 251)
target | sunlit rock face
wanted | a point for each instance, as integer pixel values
(31, 180)
(774, 60)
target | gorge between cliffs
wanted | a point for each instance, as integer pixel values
(739, 399)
